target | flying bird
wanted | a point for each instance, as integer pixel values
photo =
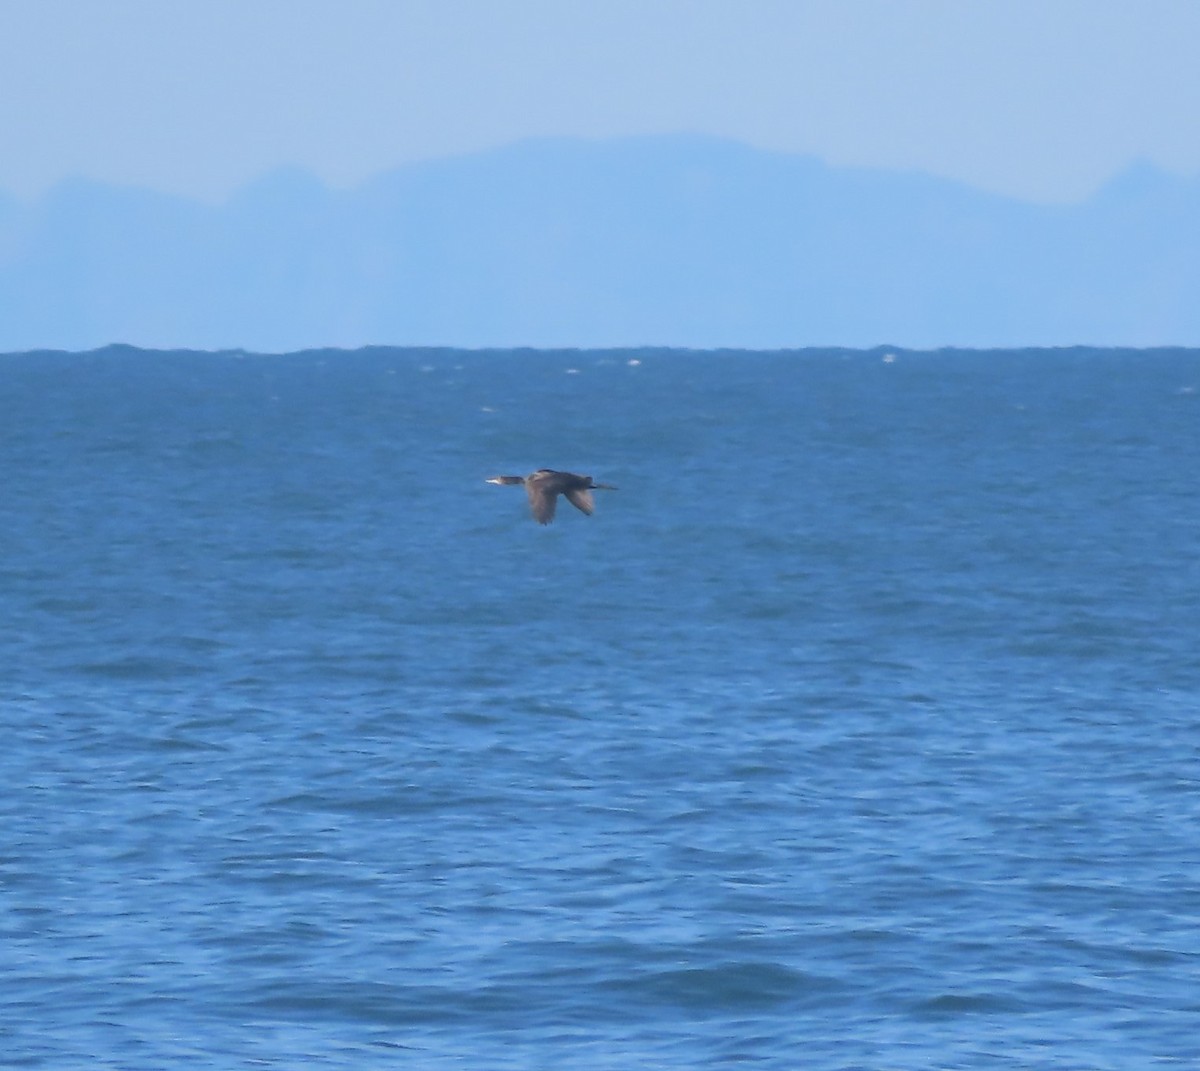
(544, 486)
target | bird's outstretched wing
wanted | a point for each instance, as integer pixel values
(541, 501)
(581, 499)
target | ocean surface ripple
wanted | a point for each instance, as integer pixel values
(857, 730)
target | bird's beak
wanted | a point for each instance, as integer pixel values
(492, 479)
(604, 487)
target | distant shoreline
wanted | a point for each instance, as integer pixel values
(882, 352)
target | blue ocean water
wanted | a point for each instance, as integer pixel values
(859, 729)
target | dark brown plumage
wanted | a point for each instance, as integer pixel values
(544, 486)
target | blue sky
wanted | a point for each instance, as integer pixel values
(1039, 99)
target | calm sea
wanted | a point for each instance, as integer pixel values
(859, 729)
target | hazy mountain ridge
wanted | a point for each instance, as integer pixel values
(676, 241)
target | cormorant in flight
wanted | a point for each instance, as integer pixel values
(544, 486)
